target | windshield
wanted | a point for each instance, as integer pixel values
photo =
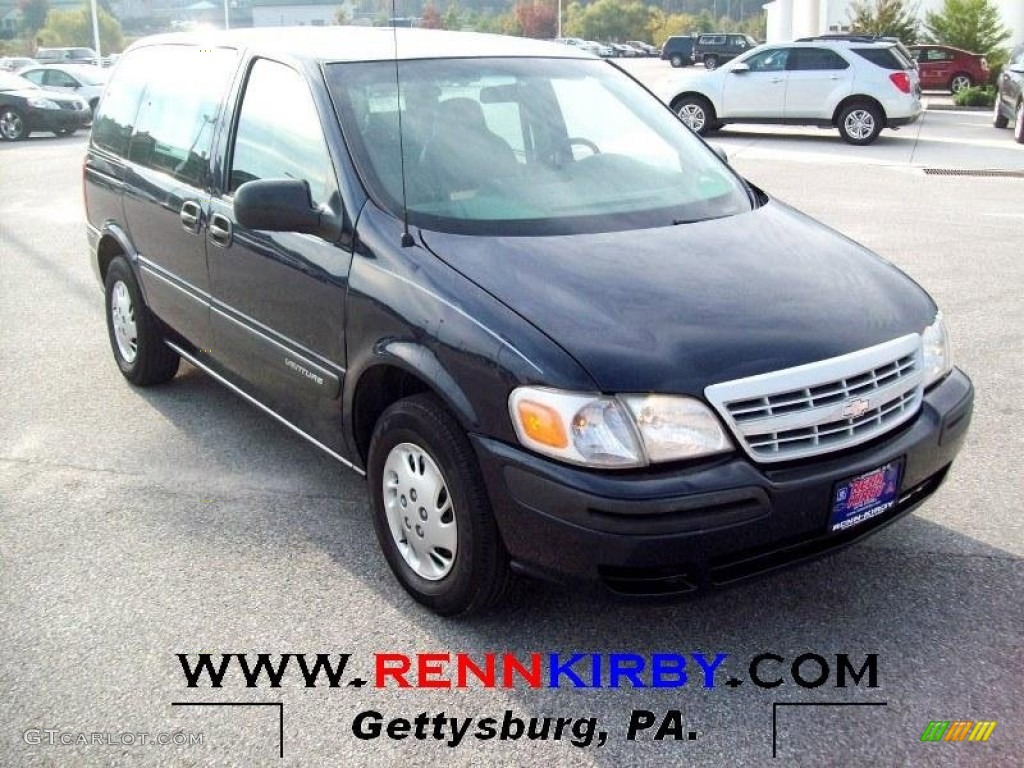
(9, 82)
(526, 146)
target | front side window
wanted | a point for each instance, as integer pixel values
(526, 146)
(58, 79)
(773, 60)
(279, 135)
(179, 111)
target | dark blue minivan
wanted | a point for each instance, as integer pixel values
(559, 336)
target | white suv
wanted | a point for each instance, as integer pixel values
(859, 88)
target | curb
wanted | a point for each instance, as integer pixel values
(955, 108)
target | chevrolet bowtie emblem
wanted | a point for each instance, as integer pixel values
(856, 408)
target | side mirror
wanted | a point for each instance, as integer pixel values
(722, 155)
(277, 205)
(740, 68)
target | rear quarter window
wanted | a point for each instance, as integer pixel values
(886, 58)
(116, 116)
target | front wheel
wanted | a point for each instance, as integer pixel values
(1018, 129)
(999, 120)
(710, 62)
(960, 81)
(696, 112)
(676, 61)
(12, 125)
(860, 123)
(431, 511)
(135, 335)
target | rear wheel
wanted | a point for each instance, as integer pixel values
(135, 335)
(1018, 129)
(431, 511)
(696, 112)
(711, 61)
(12, 125)
(860, 123)
(676, 61)
(960, 81)
(999, 120)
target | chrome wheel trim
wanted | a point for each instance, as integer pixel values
(960, 82)
(693, 115)
(122, 315)
(859, 124)
(420, 513)
(12, 126)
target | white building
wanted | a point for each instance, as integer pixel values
(290, 13)
(789, 19)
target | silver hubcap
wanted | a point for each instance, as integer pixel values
(859, 124)
(122, 313)
(959, 83)
(693, 115)
(11, 125)
(420, 512)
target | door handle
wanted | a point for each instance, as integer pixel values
(220, 230)
(191, 216)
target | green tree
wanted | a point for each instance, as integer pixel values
(663, 27)
(451, 18)
(341, 17)
(608, 20)
(973, 25)
(33, 15)
(895, 18)
(74, 27)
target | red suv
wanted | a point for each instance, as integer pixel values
(943, 67)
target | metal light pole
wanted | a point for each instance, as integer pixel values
(559, 19)
(227, 15)
(96, 33)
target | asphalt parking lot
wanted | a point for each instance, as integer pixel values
(137, 525)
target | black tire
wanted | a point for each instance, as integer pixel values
(696, 112)
(960, 81)
(479, 574)
(1018, 129)
(860, 123)
(12, 125)
(710, 61)
(999, 120)
(676, 61)
(153, 362)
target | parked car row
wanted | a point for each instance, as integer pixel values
(630, 49)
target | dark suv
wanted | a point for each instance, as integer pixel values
(1010, 95)
(678, 50)
(716, 48)
(551, 352)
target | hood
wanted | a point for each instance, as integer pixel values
(676, 309)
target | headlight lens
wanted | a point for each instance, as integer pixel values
(40, 103)
(938, 353)
(602, 431)
(675, 428)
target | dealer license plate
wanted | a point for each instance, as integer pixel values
(861, 498)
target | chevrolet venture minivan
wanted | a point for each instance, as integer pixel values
(558, 335)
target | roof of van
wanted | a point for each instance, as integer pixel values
(349, 43)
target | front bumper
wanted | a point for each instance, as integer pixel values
(724, 520)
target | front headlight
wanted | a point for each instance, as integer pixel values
(601, 431)
(42, 103)
(938, 352)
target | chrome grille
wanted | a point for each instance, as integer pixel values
(824, 406)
